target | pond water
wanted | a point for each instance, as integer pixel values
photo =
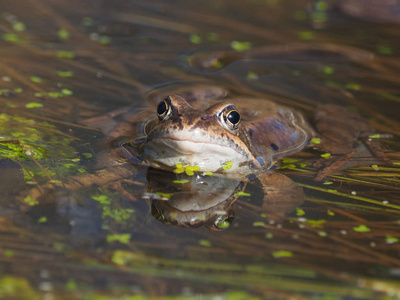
(79, 222)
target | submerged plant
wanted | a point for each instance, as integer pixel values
(38, 146)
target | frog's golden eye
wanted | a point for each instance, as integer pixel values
(164, 109)
(230, 118)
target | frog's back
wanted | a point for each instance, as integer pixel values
(271, 130)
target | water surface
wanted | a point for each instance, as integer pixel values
(68, 230)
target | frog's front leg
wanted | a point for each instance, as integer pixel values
(345, 137)
(281, 195)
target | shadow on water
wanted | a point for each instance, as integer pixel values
(80, 221)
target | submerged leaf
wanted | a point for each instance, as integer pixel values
(122, 238)
(361, 228)
(205, 243)
(282, 253)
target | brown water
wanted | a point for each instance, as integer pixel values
(69, 231)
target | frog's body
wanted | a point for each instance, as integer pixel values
(205, 138)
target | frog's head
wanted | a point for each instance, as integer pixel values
(210, 139)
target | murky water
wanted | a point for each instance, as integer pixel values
(76, 223)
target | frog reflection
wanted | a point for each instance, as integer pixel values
(192, 201)
(196, 200)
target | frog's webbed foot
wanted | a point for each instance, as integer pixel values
(281, 195)
(345, 135)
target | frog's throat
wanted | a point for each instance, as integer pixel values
(167, 152)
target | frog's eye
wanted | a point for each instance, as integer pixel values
(222, 222)
(164, 109)
(230, 118)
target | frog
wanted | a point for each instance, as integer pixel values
(235, 138)
(241, 138)
(208, 131)
(238, 136)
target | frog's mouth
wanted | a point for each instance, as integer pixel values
(211, 155)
